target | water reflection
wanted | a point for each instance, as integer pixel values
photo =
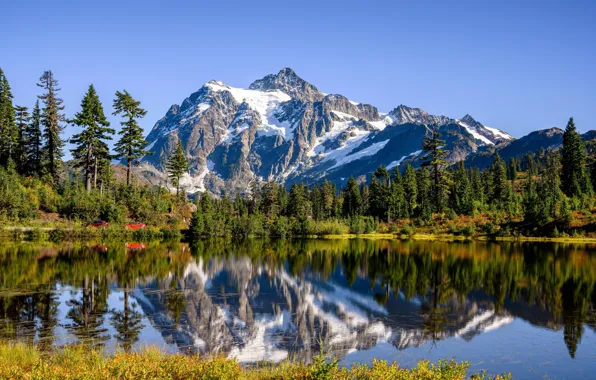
(271, 300)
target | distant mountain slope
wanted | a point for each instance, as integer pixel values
(283, 128)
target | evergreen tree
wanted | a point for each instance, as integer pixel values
(298, 202)
(512, 169)
(476, 185)
(498, 190)
(33, 142)
(462, 199)
(328, 199)
(352, 199)
(131, 145)
(51, 119)
(380, 193)
(410, 189)
(575, 180)
(9, 133)
(90, 150)
(398, 207)
(424, 186)
(22, 118)
(434, 159)
(270, 204)
(177, 165)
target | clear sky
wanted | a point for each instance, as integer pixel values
(513, 65)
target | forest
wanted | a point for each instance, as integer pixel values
(544, 193)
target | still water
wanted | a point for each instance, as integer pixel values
(526, 308)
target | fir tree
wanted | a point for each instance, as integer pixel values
(512, 169)
(327, 199)
(131, 145)
(462, 199)
(434, 159)
(397, 200)
(51, 119)
(424, 186)
(410, 189)
(177, 166)
(271, 207)
(575, 180)
(90, 150)
(22, 118)
(352, 198)
(9, 133)
(298, 202)
(33, 142)
(499, 180)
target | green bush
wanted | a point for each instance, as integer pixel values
(408, 230)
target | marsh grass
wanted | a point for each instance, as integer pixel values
(18, 361)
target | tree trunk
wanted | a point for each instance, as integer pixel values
(88, 168)
(95, 174)
(128, 172)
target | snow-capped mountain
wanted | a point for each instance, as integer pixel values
(254, 313)
(283, 128)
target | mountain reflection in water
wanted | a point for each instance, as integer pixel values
(271, 300)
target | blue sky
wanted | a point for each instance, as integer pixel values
(514, 65)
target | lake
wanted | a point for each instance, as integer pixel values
(525, 308)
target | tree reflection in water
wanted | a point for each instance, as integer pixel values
(284, 298)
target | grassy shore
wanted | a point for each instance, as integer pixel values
(79, 362)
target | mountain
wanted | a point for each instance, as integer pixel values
(253, 313)
(551, 138)
(283, 128)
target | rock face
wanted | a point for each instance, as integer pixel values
(283, 128)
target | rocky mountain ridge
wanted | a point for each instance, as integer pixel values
(284, 129)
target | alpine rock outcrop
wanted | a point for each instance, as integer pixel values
(284, 129)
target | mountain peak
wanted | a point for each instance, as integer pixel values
(288, 81)
(468, 119)
(403, 114)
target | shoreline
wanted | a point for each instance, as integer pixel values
(87, 233)
(79, 361)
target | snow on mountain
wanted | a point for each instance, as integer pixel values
(263, 102)
(474, 132)
(283, 128)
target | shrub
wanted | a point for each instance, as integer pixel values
(329, 227)
(408, 230)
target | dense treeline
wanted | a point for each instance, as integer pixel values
(541, 188)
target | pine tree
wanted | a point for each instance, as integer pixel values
(352, 199)
(327, 198)
(512, 168)
(398, 207)
(476, 185)
(270, 196)
(33, 142)
(51, 119)
(298, 205)
(177, 166)
(574, 179)
(499, 180)
(424, 186)
(90, 150)
(9, 134)
(131, 145)
(380, 193)
(462, 199)
(22, 118)
(410, 189)
(434, 159)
